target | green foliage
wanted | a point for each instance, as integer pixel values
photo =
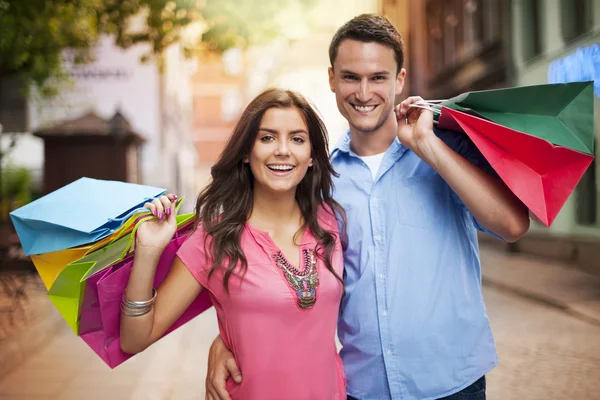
(34, 33)
(16, 184)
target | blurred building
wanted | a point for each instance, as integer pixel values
(90, 146)
(452, 46)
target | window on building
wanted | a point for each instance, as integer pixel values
(473, 26)
(576, 18)
(531, 29)
(435, 37)
(491, 11)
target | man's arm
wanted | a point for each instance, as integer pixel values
(221, 364)
(488, 199)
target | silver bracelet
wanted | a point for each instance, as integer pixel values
(135, 313)
(137, 308)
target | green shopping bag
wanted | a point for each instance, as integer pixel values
(67, 291)
(562, 114)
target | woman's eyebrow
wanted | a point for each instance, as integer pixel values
(275, 131)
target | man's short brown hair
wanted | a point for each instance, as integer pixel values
(369, 28)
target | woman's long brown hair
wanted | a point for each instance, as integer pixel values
(225, 205)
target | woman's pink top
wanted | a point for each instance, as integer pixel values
(283, 351)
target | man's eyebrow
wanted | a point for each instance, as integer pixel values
(348, 72)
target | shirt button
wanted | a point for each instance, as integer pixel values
(380, 276)
(384, 314)
(388, 352)
(377, 238)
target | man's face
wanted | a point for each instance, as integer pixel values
(365, 81)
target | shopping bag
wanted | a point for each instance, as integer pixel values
(79, 213)
(539, 139)
(539, 173)
(49, 265)
(101, 313)
(562, 114)
(67, 291)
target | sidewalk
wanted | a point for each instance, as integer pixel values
(553, 283)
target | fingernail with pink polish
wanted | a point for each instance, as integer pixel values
(160, 215)
(168, 212)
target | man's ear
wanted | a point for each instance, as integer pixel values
(331, 76)
(400, 81)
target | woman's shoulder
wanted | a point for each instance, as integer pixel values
(328, 218)
(195, 238)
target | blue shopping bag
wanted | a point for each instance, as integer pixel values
(81, 212)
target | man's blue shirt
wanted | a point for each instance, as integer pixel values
(413, 324)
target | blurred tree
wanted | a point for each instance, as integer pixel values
(35, 33)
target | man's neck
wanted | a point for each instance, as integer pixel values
(374, 142)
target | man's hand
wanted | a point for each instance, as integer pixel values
(488, 199)
(415, 125)
(221, 365)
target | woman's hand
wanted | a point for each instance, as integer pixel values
(156, 233)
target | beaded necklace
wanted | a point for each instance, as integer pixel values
(304, 282)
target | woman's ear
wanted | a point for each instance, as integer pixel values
(246, 159)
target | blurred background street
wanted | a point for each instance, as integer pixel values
(158, 111)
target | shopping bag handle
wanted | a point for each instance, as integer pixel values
(130, 248)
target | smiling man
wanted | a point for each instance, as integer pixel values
(413, 324)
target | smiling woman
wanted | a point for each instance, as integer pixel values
(267, 248)
(281, 154)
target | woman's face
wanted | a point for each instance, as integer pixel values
(281, 153)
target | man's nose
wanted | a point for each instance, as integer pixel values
(364, 91)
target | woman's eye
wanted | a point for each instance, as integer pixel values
(299, 140)
(266, 138)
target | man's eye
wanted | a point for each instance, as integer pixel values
(350, 77)
(379, 78)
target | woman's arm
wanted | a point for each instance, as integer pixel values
(144, 319)
(173, 297)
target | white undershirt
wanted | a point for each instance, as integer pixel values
(373, 162)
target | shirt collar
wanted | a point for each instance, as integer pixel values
(343, 146)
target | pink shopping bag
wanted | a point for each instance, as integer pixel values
(101, 313)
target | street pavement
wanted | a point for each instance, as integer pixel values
(545, 317)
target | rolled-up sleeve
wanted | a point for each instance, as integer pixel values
(462, 145)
